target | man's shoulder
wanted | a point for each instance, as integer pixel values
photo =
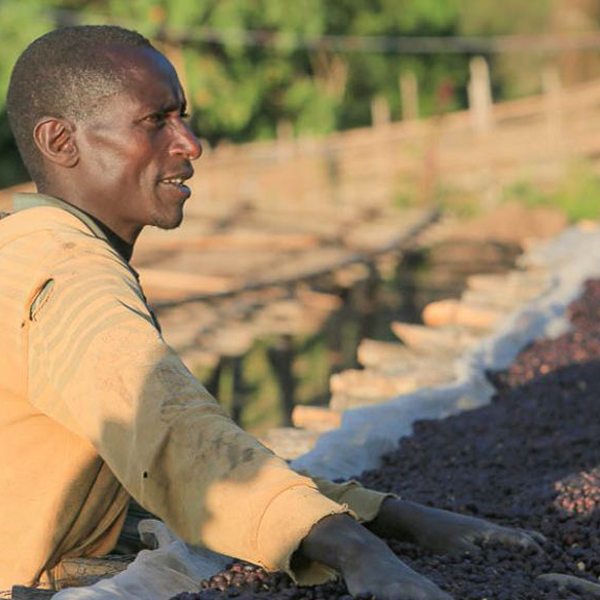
(39, 219)
(47, 227)
(45, 237)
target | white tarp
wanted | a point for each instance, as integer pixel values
(367, 433)
(171, 568)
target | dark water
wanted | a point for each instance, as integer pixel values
(261, 389)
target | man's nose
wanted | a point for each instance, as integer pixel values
(185, 142)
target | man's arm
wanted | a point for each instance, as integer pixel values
(99, 368)
(115, 383)
(436, 530)
(370, 568)
(443, 531)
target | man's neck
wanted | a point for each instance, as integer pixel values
(90, 208)
(98, 227)
(123, 247)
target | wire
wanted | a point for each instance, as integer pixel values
(347, 44)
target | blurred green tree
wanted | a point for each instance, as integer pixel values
(378, 73)
(513, 74)
(20, 22)
(242, 91)
(268, 67)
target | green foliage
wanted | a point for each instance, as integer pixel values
(576, 194)
(241, 92)
(513, 74)
(485, 18)
(371, 73)
(21, 21)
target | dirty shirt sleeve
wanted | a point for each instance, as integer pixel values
(98, 365)
(363, 502)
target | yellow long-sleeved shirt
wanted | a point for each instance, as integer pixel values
(95, 408)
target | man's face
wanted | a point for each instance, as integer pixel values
(136, 148)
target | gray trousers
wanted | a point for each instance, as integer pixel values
(129, 541)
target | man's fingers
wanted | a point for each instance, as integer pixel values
(520, 538)
(465, 545)
(534, 540)
(570, 582)
(537, 537)
(526, 540)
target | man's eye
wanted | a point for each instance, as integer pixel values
(156, 118)
(184, 115)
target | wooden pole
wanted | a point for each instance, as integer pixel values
(281, 356)
(239, 389)
(336, 329)
(285, 131)
(212, 383)
(380, 111)
(406, 282)
(285, 139)
(409, 94)
(480, 95)
(552, 92)
(331, 161)
(369, 304)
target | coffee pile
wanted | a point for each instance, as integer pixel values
(530, 459)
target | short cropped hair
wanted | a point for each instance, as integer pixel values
(64, 74)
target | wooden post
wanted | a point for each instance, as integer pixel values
(369, 304)
(238, 388)
(480, 95)
(212, 384)
(380, 111)
(335, 332)
(552, 92)
(281, 356)
(285, 138)
(409, 94)
(406, 282)
(331, 162)
(285, 131)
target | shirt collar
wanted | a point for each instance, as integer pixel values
(22, 201)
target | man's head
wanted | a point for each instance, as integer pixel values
(98, 114)
(64, 73)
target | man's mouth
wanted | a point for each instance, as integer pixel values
(176, 181)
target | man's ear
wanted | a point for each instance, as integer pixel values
(55, 140)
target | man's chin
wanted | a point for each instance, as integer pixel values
(164, 222)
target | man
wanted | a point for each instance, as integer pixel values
(96, 408)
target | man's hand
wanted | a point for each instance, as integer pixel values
(442, 531)
(365, 562)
